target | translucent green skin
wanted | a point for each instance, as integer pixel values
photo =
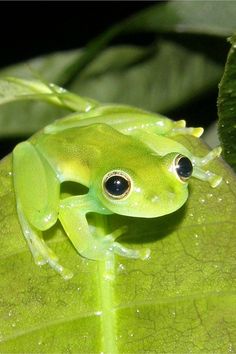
(83, 148)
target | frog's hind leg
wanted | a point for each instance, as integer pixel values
(179, 128)
(37, 199)
(203, 175)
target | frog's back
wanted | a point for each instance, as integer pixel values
(75, 152)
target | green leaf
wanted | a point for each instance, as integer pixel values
(169, 77)
(161, 77)
(207, 18)
(137, 80)
(186, 16)
(227, 107)
(181, 300)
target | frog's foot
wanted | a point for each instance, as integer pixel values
(179, 128)
(197, 132)
(130, 253)
(42, 254)
(208, 176)
(202, 161)
(121, 250)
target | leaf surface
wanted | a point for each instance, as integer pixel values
(227, 107)
(180, 300)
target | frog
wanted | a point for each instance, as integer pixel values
(129, 162)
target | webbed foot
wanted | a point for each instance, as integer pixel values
(42, 255)
(203, 175)
(121, 250)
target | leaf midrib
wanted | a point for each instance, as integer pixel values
(167, 300)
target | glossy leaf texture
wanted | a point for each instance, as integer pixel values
(172, 69)
(227, 107)
(180, 300)
(183, 16)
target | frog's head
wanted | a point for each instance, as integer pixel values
(148, 188)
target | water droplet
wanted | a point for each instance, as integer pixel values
(209, 195)
(191, 215)
(196, 235)
(13, 324)
(219, 199)
(121, 267)
(137, 310)
(10, 313)
(222, 125)
(227, 181)
(78, 289)
(119, 336)
(200, 220)
(201, 200)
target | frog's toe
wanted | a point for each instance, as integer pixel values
(145, 253)
(64, 272)
(215, 180)
(39, 260)
(197, 132)
(118, 232)
(180, 123)
(130, 253)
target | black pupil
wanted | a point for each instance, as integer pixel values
(116, 185)
(184, 167)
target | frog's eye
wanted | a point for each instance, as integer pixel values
(116, 184)
(183, 167)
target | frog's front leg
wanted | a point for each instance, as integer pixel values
(37, 199)
(203, 175)
(72, 215)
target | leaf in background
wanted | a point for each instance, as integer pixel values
(159, 83)
(186, 16)
(150, 79)
(181, 300)
(160, 77)
(205, 18)
(227, 107)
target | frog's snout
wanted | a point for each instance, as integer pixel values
(156, 198)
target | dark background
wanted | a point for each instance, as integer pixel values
(29, 29)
